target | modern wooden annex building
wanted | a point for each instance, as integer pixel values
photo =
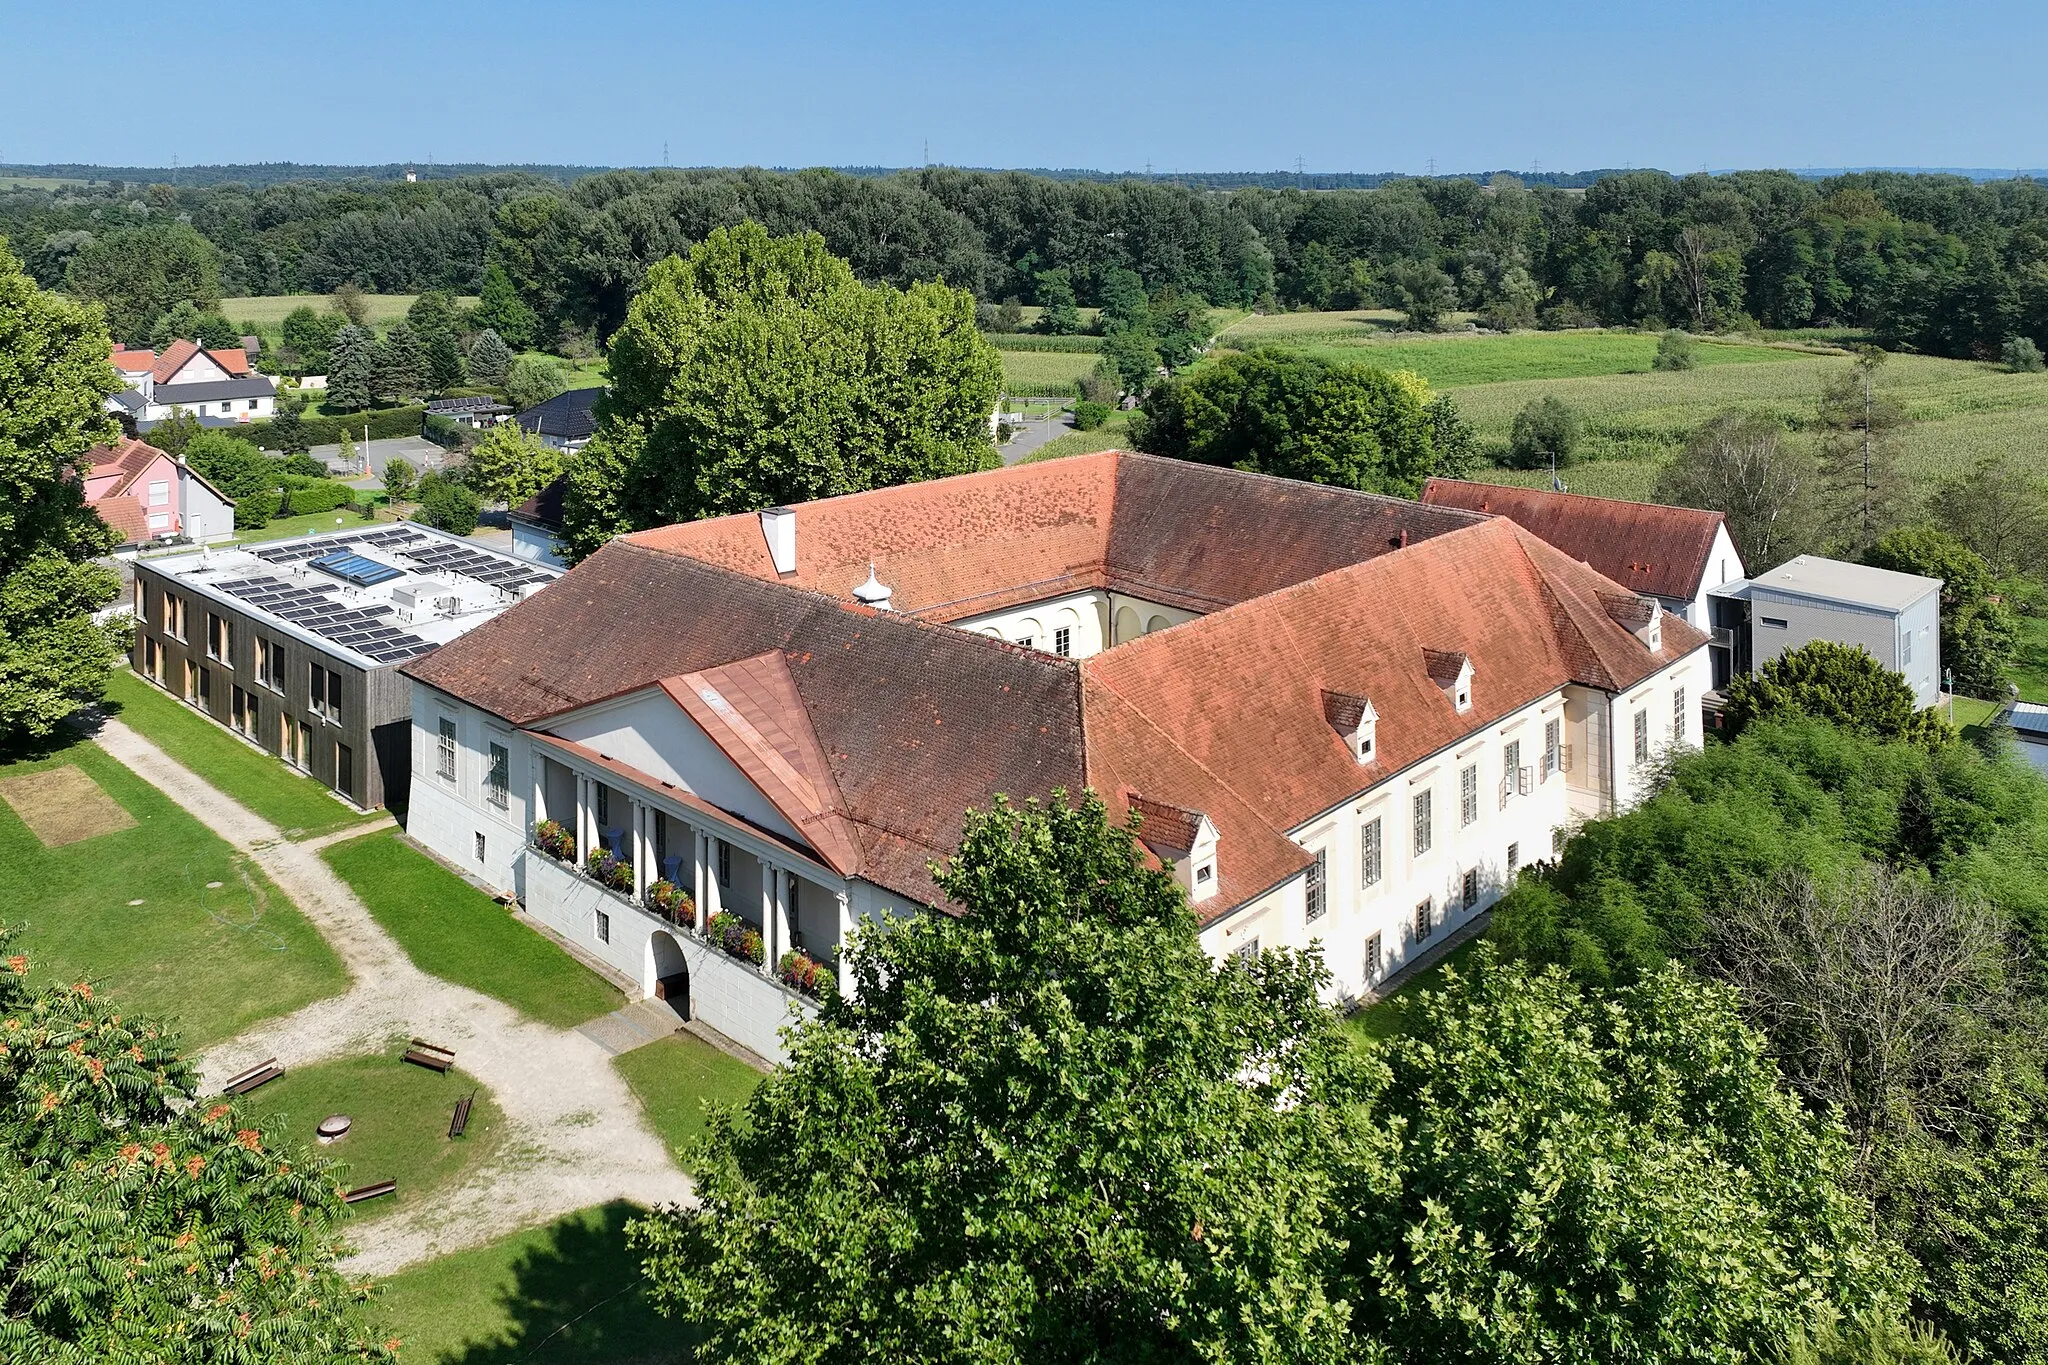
(295, 645)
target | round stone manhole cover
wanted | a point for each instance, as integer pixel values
(333, 1128)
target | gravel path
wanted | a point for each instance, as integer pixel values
(576, 1137)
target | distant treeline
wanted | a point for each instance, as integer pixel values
(1932, 262)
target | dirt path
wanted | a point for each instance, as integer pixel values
(577, 1136)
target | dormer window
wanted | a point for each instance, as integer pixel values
(1642, 617)
(1185, 840)
(1453, 673)
(1352, 716)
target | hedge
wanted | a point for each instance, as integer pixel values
(303, 496)
(384, 424)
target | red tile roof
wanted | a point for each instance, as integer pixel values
(163, 367)
(1645, 547)
(127, 516)
(128, 459)
(910, 723)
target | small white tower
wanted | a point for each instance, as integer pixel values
(873, 593)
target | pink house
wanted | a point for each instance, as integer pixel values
(148, 495)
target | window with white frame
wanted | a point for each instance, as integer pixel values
(1318, 886)
(1678, 714)
(1468, 890)
(498, 780)
(1375, 959)
(1642, 735)
(1063, 640)
(1468, 794)
(1371, 855)
(1511, 766)
(1906, 640)
(444, 763)
(1514, 859)
(1424, 835)
(159, 493)
(1551, 736)
(1425, 919)
(1246, 950)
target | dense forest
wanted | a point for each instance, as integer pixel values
(1934, 263)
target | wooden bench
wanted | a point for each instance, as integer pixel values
(376, 1191)
(459, 1122)
(432, 1056)
(263, 1073)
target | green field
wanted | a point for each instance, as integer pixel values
(583, 374)
(456, 932)
(399, 1124)
(293, 802)
(163, 915)
(1450, 362)
(1044, 372)
(565, 1294)
(266, 311)
(677, 1079)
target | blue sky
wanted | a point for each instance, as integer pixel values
(1474, 84)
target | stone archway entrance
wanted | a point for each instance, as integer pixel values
(668, 972)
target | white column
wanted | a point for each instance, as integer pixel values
(639, 847)
(699, 852)
(839, 966)
(768, 948)
(582, 818)
(536, 769)
(785, 895)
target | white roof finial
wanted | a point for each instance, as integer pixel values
(873, 593)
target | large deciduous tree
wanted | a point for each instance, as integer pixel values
(141, 1223)
(54, 381)
(1292, 415)
(759, 371)
(1978, 631)
(1768, 488)
(1841, 684)
(510, 465)
(138, 273)
(1048, 1129)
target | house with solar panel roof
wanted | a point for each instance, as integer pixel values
(295, 645)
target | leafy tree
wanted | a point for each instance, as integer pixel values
(1049, 1128)
(447, 505)
(172, 434)
(126, 1190)
(1613, 1177)
(1514, 301)
(398, 477)
(1288, 414)
(1180, 325)
(1010, 315)
(1125, 306)
(1837, 683)
(352, 370)
(500, 309)
(1451, 436)
(1059, 313)
(759, 371)
(435, 321)
(1546, 432)
(234, 466)
(349, 301)
(345, 450)
(138, 273)
(489, 357)
(187, 320)
(1999, 508)
(1875, 1339)
(1860, 430)
(1133, 356)
(1979, 633)
(2021, 356)
(54, 379)
(1742, 467)
(510, 465)
(287, 431)
(309, 336)
(533, 379)
(400, 363)
(1423, 293)
(1676, 351)
(444, 362)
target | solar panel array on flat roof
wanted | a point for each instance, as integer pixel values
(318, 610)
(351, 567)
(499, 572)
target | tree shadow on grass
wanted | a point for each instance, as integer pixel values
(579, 1299)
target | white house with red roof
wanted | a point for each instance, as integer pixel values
(714, 750)
(219, 387)
(148, 495)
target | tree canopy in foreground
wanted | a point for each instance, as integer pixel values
(759, 371)
(1052, 1129)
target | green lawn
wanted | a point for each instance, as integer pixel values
(2030, 670)
(310, 523)
(1451, 362)
(213, 945)
(1388, 1018)
(565, 1294)
(456, 932)
(1114, 434)
(676, 1078)
(400, 1119)
(293, 802)
(583, 374)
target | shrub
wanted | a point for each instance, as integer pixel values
(553, 838)
(256, 510)
(447, 506)
(1088, 415)
(305, 496)
(305, 466)
(1098, 386)
(1544, 430)
(1676, 351)
(2021, 356)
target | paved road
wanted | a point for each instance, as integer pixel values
(423, 454)
(577, 1135)
(1032, 433)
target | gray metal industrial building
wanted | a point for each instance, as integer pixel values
(1895, 616)
(294, 645)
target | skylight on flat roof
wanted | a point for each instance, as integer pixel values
(351, 567)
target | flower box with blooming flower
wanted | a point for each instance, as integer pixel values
(551, 838)
(733, 935)
(672, 903)
(616, 873)
(802, 972)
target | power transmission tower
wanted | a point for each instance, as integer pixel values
(1297, 173)
(1432, 168)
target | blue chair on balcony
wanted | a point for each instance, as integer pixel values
(615, 841)
(671, 869)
